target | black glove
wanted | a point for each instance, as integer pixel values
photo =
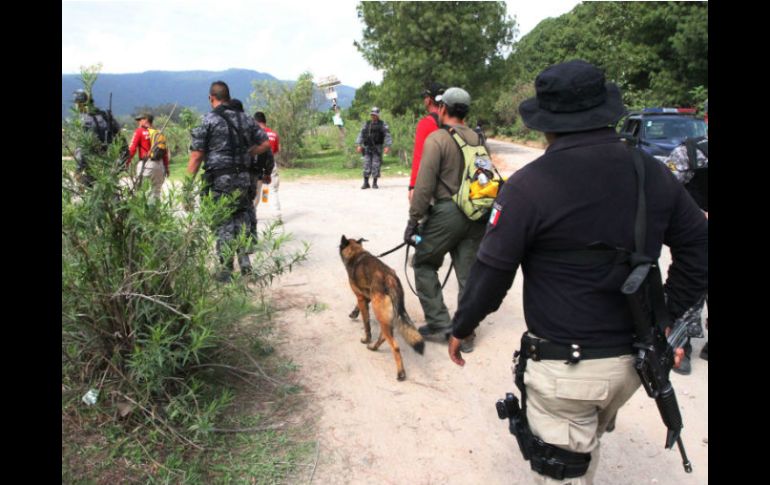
(410, 233)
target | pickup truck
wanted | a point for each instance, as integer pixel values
(658, 131)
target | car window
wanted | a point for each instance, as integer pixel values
(674, 128)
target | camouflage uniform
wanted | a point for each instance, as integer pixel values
(679, 163)
(104, 128)
(367, 138)
(226, 169)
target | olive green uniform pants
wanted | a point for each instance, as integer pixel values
(447, 230)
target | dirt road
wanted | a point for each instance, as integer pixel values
(439, 426)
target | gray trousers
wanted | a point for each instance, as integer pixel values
(447, 230)
(372, 160)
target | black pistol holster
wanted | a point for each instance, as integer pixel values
(544, 458)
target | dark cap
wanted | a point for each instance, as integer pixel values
(433, 90)
(142, 116)
(570, 97)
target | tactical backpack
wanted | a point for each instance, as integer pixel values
(158, 144)
(480, 180)
(100, 123)
(374, 133)
(698, 185)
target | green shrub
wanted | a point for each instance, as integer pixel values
(141, 312)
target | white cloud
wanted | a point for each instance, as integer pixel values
(282, 38)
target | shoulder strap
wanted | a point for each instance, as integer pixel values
(435, 117)
(234, 142)
(693, 145)
(692, 154)
(703, 146)
(460, 144)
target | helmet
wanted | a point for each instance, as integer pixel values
(80, 96)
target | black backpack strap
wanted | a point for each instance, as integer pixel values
(693, 145)
(435, 118)
(235, 141)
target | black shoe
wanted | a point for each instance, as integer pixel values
(366, 183)
(466, 346)
(428, 331)
(704, 353)
(685, 368)
(374, 184)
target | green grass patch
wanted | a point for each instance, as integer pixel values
(275, 442)
(332, 163)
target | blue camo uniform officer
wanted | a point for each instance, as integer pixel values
(97, 122)
(370, 141)
(224, 144)
(581, 191)
(256, 170)
(685, 161)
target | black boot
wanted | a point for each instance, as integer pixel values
(366, 183)
(374, 183)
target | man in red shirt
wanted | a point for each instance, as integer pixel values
(154, 170)
(427, 125)
(275, 147)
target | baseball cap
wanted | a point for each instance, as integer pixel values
(454, 96)
(433, 90)
(149, 117)
(375, 111)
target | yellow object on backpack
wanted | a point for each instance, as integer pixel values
(158, 144)
(479, 191)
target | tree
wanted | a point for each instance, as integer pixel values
(657, 52)
(289, 110)
(457, 43)
(366, 97)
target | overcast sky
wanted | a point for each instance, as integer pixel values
(282, 38)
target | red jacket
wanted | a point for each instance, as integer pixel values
(141, 140)
(425, 127)
(275, 141)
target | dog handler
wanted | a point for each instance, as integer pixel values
(581, 191)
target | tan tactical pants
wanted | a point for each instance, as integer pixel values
(569, 406)
(154, 172)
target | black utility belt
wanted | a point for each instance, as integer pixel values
(539, 349)
(224, 171)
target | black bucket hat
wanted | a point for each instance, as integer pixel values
(572, 96)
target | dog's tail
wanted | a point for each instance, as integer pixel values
(402, 321)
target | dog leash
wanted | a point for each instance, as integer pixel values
(406, 274)
(406, 264)
(394, 249)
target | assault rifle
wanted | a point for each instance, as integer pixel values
(655, 352)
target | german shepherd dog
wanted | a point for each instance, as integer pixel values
(374, 282)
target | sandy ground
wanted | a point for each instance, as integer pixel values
(439, 426)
